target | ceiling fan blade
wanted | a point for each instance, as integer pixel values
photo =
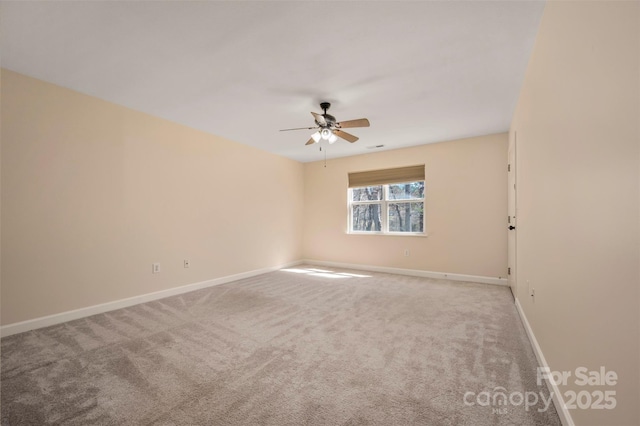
(319, 119)
(299, 128)
(310, 142)
(361, 122)
(346, 136)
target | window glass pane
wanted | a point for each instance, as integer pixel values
(406, 217)
(404, 191)
(366, 217)
(368, 193)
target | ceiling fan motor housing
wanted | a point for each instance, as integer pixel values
(330, 119)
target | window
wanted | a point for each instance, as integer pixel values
(386, 204)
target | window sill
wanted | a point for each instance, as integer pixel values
(390, 234)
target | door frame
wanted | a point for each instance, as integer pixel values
(512, 209)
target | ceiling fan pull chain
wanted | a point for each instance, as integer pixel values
(325, 158)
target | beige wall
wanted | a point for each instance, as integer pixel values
(466, 209)
(94, 193)
(577, 132)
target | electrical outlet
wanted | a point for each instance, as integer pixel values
(406, 252)
(187, 263)
(155, 268)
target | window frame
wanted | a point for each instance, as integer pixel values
(384, 204)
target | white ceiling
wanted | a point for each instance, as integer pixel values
(421, 72)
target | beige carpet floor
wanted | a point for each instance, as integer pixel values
(292, 347)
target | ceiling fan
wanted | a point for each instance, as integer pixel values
(329, 129)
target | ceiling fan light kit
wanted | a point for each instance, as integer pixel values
(328, 129)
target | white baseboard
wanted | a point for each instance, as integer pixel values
(32, 324)
(412, 272)
(20, 327)
(558, 401)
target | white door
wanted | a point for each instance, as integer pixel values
(511, 218)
